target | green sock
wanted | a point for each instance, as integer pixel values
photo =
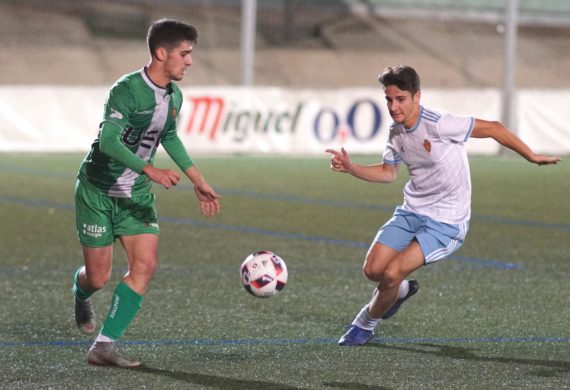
(126, 304)
(77, 290)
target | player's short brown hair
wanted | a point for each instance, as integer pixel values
(169, 33)
(402, 76)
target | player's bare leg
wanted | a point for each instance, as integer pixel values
(406, 290)
(88, 279)
(400, 266)
(141, 250)
(389, 268)
(142, 253)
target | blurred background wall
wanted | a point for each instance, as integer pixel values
(316, 44)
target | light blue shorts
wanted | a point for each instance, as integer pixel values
(437, 240)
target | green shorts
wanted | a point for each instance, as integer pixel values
(100, 219)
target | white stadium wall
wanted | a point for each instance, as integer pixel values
(270, 120)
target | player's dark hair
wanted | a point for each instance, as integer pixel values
(402, 76)
(169, 33)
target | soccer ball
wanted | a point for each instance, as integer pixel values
(263, 274)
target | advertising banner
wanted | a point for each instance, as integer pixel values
(281, 121)
(265, 120)
(273, 120)
(49, 119)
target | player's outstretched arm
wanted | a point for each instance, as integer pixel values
(208, 198)
(378, 173)
(495, 130)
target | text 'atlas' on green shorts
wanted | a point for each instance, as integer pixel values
(100, 219)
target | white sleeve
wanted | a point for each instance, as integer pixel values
(455, 128)
(391, 154)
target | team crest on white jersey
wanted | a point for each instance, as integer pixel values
(427, 145)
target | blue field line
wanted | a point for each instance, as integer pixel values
(316, 341)
(36, 171)
(37, 203)
(306, 200)
(497, 264)
(491, 263)
(510, 221)
(369, 206)
(266, 232)
(302, 199)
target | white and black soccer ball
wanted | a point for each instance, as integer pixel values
(263, 274)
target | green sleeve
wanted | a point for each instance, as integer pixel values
(176, 150)
(118, 107)
(110, 144)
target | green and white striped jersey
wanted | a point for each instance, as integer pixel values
(138, 115)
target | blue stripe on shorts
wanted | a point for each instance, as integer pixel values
(437, 239)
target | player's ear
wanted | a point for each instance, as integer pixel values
(160, 54)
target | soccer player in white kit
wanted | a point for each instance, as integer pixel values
(433, 221)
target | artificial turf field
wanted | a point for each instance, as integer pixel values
(495, 315)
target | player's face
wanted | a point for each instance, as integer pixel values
(178, 60)
(404, 107)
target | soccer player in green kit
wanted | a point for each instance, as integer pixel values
(112, 196)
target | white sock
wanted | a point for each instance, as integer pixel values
(103, 339)
(404, 289)
(364, 321)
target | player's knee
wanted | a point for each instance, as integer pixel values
(152, 267)
(96, 281)
(373, 267)
(146, 268)
(372, 272)
(391, 277)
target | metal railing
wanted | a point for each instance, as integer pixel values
(531, 12)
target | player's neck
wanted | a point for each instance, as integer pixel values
(157, 76)
(411, 122)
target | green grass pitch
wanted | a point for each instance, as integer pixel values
(494, 315)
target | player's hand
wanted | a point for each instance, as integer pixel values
(208, 198)
(165, 177)
(340, 161)
(544, 160)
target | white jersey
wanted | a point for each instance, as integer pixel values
(434, 152)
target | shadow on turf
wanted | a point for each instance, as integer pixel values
(546, 368)
(217, 382)
(354, 386)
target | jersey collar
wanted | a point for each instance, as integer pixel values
(417, 122)
(156, 88)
